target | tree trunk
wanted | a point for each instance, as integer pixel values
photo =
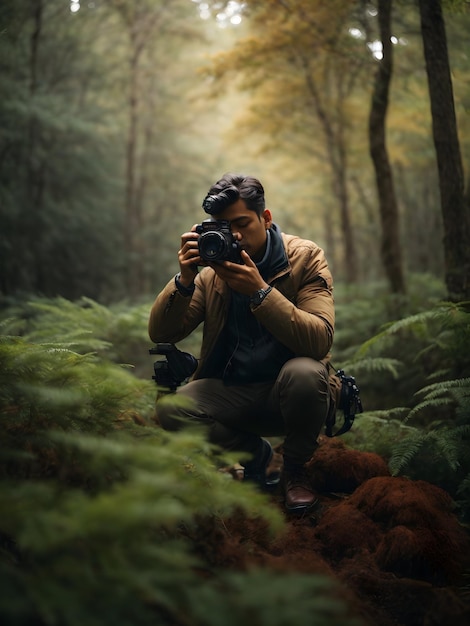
(132, 218)
(454, 206)
(340, 174)
(32, 222)
(390, 248)
(141, 21)
(336, 152)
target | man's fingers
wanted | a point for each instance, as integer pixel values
(247, 258)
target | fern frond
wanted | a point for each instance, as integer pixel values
(428, 404)
(386, 415)
(464, 487)
(417, 323)
(446, 444)
(445, 315)
(371, 365)
(405, 450)
(437, 389)
(439, 374)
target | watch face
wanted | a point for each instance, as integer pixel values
(259, 296)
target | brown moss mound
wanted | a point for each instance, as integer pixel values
(336, 468)
(394, 544)
(408, 526)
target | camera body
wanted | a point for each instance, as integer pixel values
(175, 368)
(348, 399)
(216, 242)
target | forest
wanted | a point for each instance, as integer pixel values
(116, 117)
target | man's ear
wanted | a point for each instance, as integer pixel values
(268, 218)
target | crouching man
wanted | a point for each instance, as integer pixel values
(265, 299)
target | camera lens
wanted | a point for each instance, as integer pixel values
(213, 246)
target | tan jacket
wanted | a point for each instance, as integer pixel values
(299, 311)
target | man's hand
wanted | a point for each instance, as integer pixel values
(188, 257)
(242, 278)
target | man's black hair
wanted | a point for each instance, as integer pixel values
(233, 187)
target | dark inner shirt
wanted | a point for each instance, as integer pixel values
(246, 352)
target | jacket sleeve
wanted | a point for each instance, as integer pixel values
(174, 316)
(305, 325)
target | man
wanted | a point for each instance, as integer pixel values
(268, 328)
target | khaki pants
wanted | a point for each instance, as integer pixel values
(294, 406)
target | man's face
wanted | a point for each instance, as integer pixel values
(251, 229)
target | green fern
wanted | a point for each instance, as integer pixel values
(379, 431)
(446, 441)
(464, 488)
(446, 444)
(105, 522)
(428, 355)
(444, 386)
(44, 388)
(118, 333)
(416, 325)
(116, 555)
(428, 405)
(405, 450)
(371, 365)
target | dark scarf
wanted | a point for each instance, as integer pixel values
(245, 351)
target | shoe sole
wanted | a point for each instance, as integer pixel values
(301, 508)
(272, 482)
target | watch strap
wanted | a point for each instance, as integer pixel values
(257, 298)
(184, 291)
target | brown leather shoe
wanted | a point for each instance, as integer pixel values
(299, 495)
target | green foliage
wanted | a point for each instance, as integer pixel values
(379, 431)
(439, 450)
(117, 554)
(118, 333)
(448, 444)
(414, 378)
(274, 599)
(46, 387)
(108, 519)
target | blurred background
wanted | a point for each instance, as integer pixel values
(116, 116)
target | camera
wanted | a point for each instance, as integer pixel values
(175, 368)
(216, 242)
(349, 400)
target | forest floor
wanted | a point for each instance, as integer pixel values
(394, 546)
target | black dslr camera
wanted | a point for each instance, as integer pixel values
(177, 366)
(349, 401)
(216, 242)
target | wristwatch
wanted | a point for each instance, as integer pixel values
(257, 298)
(184, 291)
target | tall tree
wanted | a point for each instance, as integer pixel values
(141, 21)
(147, 25)
(391, 247)
(64, 114)
(454, 205)
(52, 173)
(301, 52)
(35, 167)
